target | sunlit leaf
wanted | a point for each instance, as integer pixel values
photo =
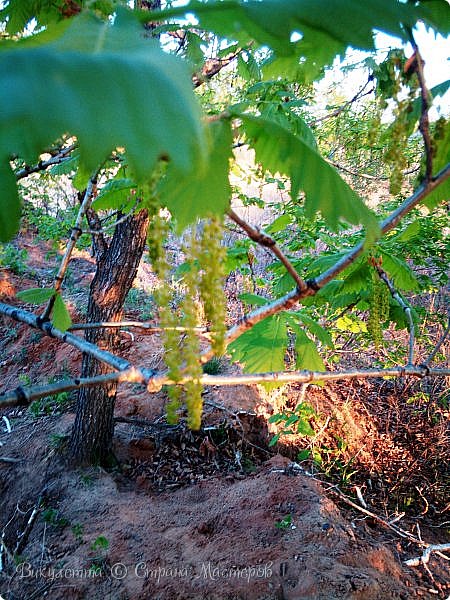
(61, 316)
(441, 159)
(36, 295)
(262, 348)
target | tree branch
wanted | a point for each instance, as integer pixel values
(154, 380)
(314, 285)
(439, 344)
(138, 325)
(75, 234)
(42, 165)
(266, 241)
(213, 66)
(23, 316)
(406, 309)
(417, 63)
(366, 175)
(425, 558)
(359, 94)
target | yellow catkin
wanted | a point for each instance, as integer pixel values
(378, 309)
(191, 344)
(212, 260)
(163, 296)
(204, 277)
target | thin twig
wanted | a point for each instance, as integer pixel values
(23, 537)
(138, 325)
(106, 228)
(439, 344)
(366, 175)
(266, 241)
(44, 164)
(426, 555)
(406, 309)
(424, 123)
(359, 94)
(23, 316)
(155, 380)
(74, 236)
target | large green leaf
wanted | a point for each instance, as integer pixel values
(114, 194)
(307, 355)
(400, 273)
(103, 83)
(9, 202)
(441, 159)
(205, 189)
(327, 27)
(36, 295)
(436, 14)
(262, 348)
(279, 150)
(272, 22)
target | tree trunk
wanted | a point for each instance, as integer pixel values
(92, 432)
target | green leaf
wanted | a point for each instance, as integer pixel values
(400, 273)
(66, 167)
(103, 83)
(303, 455)
(194, 53)
(308, 357)
(317, 330)
(357, 280)
(398, 316)
(9, 203)
(61, 316)
(436, 14)
(253, 299)
(441, 159)
(247, 67)
(279, 150)
(353, 325)
(262, 348)
(409, 232)
(305, 428)
(36, 295)
(274, 440)
(338, 23)
(272, 23)
(205, 189)
(279, 224)
(114, 194)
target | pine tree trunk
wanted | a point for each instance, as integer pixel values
(92, 432)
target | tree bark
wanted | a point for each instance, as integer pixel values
(92, 432)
